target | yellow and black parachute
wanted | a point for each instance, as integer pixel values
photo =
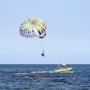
(33, 27)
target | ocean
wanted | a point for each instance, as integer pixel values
(42, 77)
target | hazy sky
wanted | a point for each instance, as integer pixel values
(68, 32)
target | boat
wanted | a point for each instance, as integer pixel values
(63, 70)
(67, 70)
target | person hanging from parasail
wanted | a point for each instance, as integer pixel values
(43, 53)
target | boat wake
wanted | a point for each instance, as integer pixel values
(43, 72)
(37, 72)
(34, 72)
(23, 73)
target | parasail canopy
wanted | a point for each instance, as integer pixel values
(33, 27)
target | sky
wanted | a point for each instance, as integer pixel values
(68, 32)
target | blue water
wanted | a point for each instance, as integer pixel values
(41, 77)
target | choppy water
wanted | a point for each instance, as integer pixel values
(41, 77)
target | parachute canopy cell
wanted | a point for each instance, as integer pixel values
(33, 27)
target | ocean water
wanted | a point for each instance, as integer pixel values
(42, 77)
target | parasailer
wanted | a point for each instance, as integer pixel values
(43, 53)
(33, 27)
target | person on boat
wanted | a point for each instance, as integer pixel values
(59, 67)
(43, 53)
(64, 66)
